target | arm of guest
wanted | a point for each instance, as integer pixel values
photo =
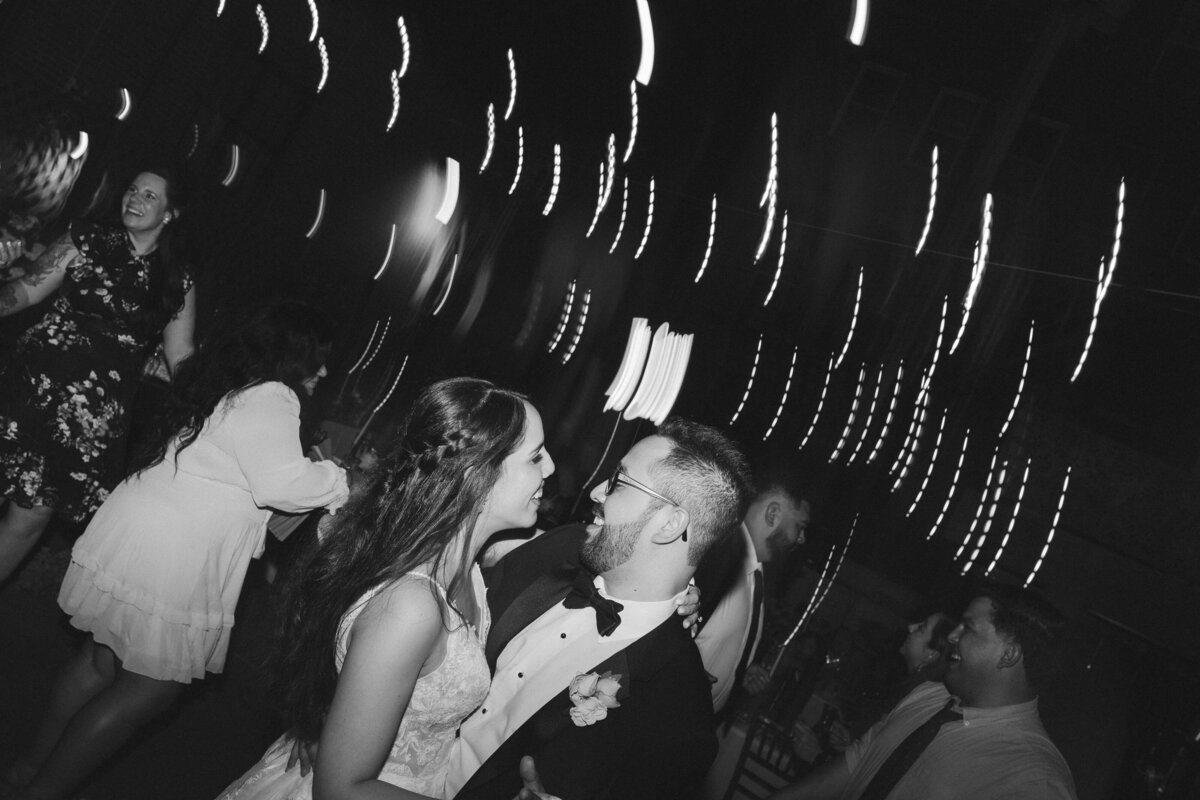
(41, 278)
(178, 335)
(824, 783)
(723, 638)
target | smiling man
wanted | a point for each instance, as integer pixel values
(979, 735)
(593, 677)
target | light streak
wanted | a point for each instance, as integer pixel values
(665, 371)
(610, 177)
(937, 446)
(837, 450)
(853, 320)
(778, 266)
(262, 23)
(555, 182)
(195, 140)
(370, 342)
(406, 50)
(750, 383)
(564, 318)
(991, 516)
(637, 346)
(316, 226)
(646, 65)
(491, 142)
(1012, 522)
(387, 258)
(450, 199)
(324, 63)
(583, 314)
(813, 606)
(803, 617)
(987, 488)
(624, 213)
(81, 147)
(649, 222)
(633, 121)
(1104, 280)
(1020, 385)
(915, 428)
(933, 180)
(316, 18)
(395, 383)
(395, 99)
(862, 438)
(520, 159)
(977, 269)
(787, 387)
(820, 404)
(858, 23)
(235, 155)
(712, 234)
(1053, 527)
(378, 345)
(126, 105)
(953, 485)
(449, 283)
(220, 7)
(770, 193)
(941, 335)
(512, 84)
(887, 421)
(599, 203)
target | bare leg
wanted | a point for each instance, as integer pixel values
(100, 728)
(89, 672)
(20, 528)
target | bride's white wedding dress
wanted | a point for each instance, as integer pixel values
(419, 757)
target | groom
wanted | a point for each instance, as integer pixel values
(594, 677)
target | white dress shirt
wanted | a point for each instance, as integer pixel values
(726, 635)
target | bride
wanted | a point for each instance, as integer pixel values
(383, 654)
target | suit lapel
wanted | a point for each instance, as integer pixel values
(543, 593)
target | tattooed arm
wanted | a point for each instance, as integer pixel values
(41, 278)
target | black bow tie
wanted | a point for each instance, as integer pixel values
(584, 593)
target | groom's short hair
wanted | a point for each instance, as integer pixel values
(706, 474)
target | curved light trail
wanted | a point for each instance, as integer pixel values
(820, 404)
(646, 64)
(512, 84)
(937, 446)
(387, 258)
(857, 31)
(983, 499)
(316, 20)
(837, 450)
(712, 235)
(583, 315)
(787, 387)
(395, 99)
(324, 64)
(235, 157)
(1020, 385)
(1062, 496)
(953, 486)
(126, 105)
(262, 24)
(557, 179)
(770, 194)
(853, 320)
(633, 121)
(599, 204)
(977, 269)
(81, 147)
(1104, 281)
(449, 283)
(370, 342)
(779, 265)
(991, 517)
(624, 213)
(862, 437)
(520, 159)
(450, 198)
(891, 412)
(750, 383)
(491, 140)
(649, 222)
(316, 225)
(564, 318)
(405, 48)
(1012, 522)
(933, 187)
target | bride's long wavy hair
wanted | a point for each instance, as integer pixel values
(417, 500)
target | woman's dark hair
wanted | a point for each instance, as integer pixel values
(285, 341)
(421, 496)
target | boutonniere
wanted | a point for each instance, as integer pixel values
(593, 695)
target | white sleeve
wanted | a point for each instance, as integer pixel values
(264, 424)
(723, 638)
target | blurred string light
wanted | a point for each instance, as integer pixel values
(220, 7)
(512, 84)
(646, 64)
(933, 187)
(649, 222)
(383, 402)
(405, 49)
(450, 198)
(1012, 522)
(564, 318)
(378, 345)
(841, 442)
(787, 387)
(370, 342)
(126, 105)
(633, 121)
(820, 404)
(853, 320)
(446, 291)
(195, 141)
(750, 383)
(1020, 385)
(804, 617)
(770, 196)
(235, 158)
(953, 486)
(891, 412)
(387, 258)
(937, 446)
(316, 20)
(395, 99)
(666, 368)
(1104, 280)
(557, 179)
(712, 234)
(862, 437)
(262, 24)
(624, 213)
(491, 140)
(916, 430)
(81, 147)
(520, 159)
(637, 347)
(857, 31)
(977, 269)
(610, 177)
(324, 64)
(599, 203)
(941, 336)
(824, 590)
(1062, 496)
(983, 499)
(991, 517)
(779, 265)
(316, 225)
(583, 315)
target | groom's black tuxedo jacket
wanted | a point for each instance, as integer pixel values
(657, 745)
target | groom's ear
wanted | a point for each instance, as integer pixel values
(674, 527)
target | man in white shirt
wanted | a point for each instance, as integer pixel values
(593, 676)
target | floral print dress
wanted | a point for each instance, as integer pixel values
(65, 391)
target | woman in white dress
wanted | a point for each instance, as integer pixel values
(383, 647)
(155, 578)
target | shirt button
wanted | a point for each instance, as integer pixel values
(520, 674)
(484, 711)
(562, 636)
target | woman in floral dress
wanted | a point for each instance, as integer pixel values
(65, 391)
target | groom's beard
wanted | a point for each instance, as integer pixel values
(613, 545)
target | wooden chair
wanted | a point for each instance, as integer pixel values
(767, 763)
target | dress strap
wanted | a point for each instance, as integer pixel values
(441, 588)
